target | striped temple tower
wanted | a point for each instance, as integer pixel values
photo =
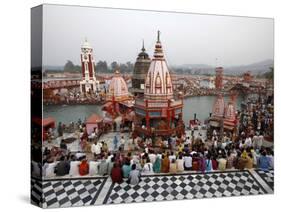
(89, 82)
(158, 113)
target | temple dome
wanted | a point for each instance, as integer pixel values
(158, 83)
(143, 55)
(117, 88)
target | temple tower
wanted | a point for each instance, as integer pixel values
(88, 82)
(158, 113)
(140, 71)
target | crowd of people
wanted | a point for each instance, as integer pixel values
(130, 158)
(183, 156)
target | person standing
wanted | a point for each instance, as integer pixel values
(122, 143)
(96, 149)
(115, 143)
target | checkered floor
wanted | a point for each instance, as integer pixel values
(36, 192)
(188, 186)
(66, 193)
(267, 176)
(94, 191)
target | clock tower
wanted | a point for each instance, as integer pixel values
(88, 82)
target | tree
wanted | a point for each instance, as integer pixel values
(101, 66)
(68, 66)
(114, 65)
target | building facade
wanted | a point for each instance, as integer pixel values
(158, 113)
(89, 82)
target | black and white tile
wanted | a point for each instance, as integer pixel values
(66, 193)
(267, 176)
(185, 186)
(36, 192)
(96, 191)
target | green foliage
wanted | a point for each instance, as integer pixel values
(70, 67)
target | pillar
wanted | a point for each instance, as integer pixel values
(147, 115)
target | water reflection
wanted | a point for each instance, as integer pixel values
(202, 106)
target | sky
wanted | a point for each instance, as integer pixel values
(116, 35)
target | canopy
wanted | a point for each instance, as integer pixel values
(94, 119)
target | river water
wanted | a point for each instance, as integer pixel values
(201, 105)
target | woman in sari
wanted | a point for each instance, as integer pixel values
(157, 165)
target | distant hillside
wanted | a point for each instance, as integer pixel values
(256, 68)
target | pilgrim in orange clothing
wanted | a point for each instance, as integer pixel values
(84, 167)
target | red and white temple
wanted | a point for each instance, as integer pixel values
(223, 115)
(117, 96)
(158, 113)
(230, 119)
(89, 82)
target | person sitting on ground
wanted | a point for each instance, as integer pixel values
(126, 168)
(110, 165)
(229, 160)
(62, 167)
(157, 165)
(152, 156)
(103, 167)
(249, 163)
(195, 162)
(221, 163)
(173, 167)
(202, 163)
(271, 159)
(187, 162)
(172, 156)
(165, 165)
(116, 174)
(209, 166)
(180, 164)
(148, 167)
(134, 176)
(242, 160)
(264, 162)
(84, 167)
